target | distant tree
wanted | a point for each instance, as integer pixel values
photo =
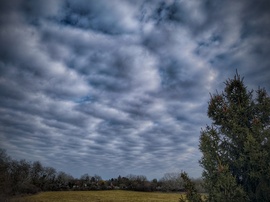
(171, 182)
(141, 183)
(123, 182)
(236, 147)
(154, 184)
(97, 178)
(15, 176)
(93, 179)
(5, 184)
(49, 178)
(63, 180)
(84, 182)
(20, 177)
(37, 171)
(23, 177)
(85, 178)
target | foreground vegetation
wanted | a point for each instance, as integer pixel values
(236, 146)
(100, 196)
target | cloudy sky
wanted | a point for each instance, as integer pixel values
(118, 87)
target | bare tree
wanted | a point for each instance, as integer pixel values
(171, 182)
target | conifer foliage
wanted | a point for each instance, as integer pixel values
(192, 193)
(236, 147)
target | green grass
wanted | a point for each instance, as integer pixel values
(100, 196)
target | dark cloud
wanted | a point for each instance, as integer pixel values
(113, 18)
(121, 87)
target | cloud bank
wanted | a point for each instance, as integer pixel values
(120, 87)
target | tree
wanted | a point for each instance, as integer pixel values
(5, 184)
(49, 178)
(20, 177)
(171, 182)
(37, 174)
(63, 180)
(236, 147)
(192, 193)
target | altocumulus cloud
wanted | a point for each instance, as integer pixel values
(119, 87)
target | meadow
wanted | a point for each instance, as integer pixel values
(100, 196)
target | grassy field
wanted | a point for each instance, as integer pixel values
(100, 196)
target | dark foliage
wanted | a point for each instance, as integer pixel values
(236, 147)
(22, 177)
(191, 191)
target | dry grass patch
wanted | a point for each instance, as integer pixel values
(100, 196)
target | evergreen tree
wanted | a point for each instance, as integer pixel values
(236, 147)
(192, 194)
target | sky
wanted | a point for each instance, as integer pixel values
(118, 87)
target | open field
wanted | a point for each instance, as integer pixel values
(100, 196)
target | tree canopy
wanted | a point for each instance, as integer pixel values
(236, 146)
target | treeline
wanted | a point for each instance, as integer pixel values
(23, 177)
